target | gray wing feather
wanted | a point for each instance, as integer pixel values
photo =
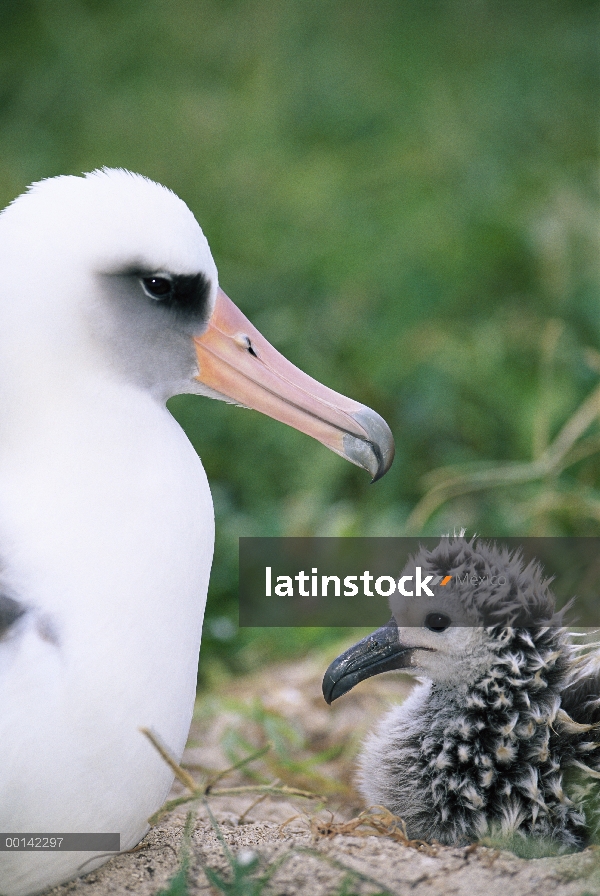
(10, 611)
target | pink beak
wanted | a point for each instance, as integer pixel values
(236, 361)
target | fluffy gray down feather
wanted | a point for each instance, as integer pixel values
(515, 752)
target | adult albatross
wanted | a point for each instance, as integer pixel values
(110, 305)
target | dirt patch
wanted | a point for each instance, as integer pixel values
(319, 867)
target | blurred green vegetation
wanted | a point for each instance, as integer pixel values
(402, 195)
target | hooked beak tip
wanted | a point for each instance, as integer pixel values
(380, 651)
(374, 452)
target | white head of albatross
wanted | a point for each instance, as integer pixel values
(502, 733)
(110, 304)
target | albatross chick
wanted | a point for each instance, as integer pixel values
(502, 733)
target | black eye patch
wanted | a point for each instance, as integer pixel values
(437, 622)
(186, 294)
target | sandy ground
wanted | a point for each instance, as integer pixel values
(318, 867)
(283, 705)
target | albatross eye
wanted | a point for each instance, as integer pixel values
(437, 622)
(158, 287)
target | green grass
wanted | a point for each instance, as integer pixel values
(402, 196)
(525, 847)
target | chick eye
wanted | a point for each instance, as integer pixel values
(157, 287)
(437, 622)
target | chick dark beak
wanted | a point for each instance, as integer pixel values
(381, 651)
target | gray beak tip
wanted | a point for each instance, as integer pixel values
(375, 453)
